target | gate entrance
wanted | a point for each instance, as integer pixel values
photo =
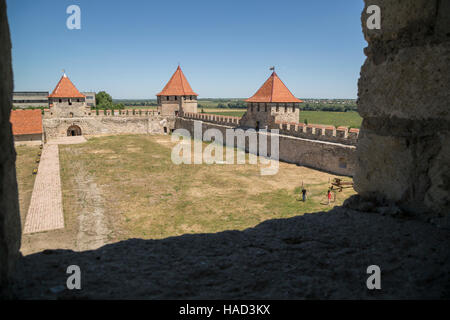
(74, 131)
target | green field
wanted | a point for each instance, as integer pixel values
(347, 119)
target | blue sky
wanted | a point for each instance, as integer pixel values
(225, 48)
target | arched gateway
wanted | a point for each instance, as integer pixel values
(74, 131)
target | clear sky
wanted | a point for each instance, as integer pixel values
(130, 48)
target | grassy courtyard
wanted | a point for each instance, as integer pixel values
(130, 183)
(25, 163)
(145, 195)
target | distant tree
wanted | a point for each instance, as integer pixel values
(103, 100)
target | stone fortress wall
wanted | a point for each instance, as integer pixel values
(319, 147)
(267, 114)
(326, 156)
(10, 226)
(403, 95)
(109, 122)
(341, 135)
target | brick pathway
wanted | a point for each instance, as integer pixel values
(45, 211)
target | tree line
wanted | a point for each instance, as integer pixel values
(103, 100)
(328, 107)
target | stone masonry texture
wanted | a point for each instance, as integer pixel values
(403, 151)
(9, 206)
(321, 155)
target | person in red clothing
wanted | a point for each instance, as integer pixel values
(329, 196)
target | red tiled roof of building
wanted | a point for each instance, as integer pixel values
(66, 89)
(26, 121)
(177, 86)
(274, 90)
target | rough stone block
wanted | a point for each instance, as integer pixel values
(414, 84)
(330, 131)
(342, 132)
(438, 195)
(384, 164)
(10, 227)
(401, 15)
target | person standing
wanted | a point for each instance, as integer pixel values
(329, 196)
(304, 192)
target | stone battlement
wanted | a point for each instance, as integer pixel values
(321, 155)
(214, 118)
(342, 135)
(48, 113)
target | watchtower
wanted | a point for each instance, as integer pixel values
(272, 102)
(177, 96)
(66, 101)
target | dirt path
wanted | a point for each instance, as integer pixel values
(93, 230)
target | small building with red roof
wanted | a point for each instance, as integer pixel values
(177, 96)
(66, 96)
(272, 102)
(67, 102)
(67, 109)
(65, 89)
(27, 125)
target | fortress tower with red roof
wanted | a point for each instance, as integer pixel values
(66, 100)
(272, 102)
(177, 96)
(70, 115)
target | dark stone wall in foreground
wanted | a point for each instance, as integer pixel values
(404, 97)
(9, 205)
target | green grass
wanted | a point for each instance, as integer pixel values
(25, 163)
(346, 119)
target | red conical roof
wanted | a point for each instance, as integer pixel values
(66, 89)
(273, 90)
(177, 86)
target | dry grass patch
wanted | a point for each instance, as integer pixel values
(25, 163)
(147, 196)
